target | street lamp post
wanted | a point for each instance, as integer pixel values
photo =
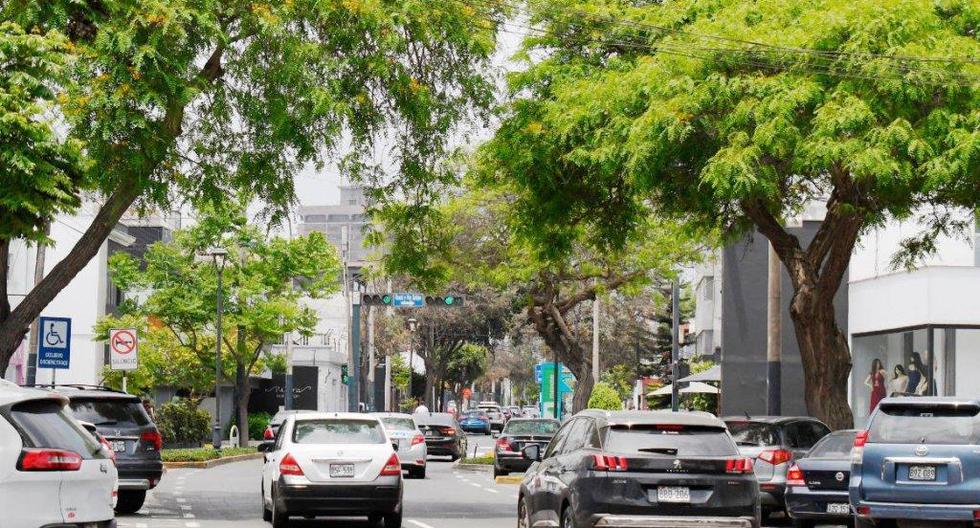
(218, 256)
(412, 325)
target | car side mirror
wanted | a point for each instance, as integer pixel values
(266, 447)
(495, 435)
(394, 445)
(532, 453)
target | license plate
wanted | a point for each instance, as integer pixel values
(341, 470)
(673, 494)
(922, 473)
(836, 508)
(119, 446)
(430, 433)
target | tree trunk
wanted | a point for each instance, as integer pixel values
(429, 383)
(242, 393)
(584, 382)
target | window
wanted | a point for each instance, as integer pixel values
(577, 436)
(45, 424)
(338, 432)
(397, 423)
(558, 440)
(926, 424)
(315, 219)
(803, 435)
(708, 288)
(117, 413)
(669, 440)
(754, 434)
(531, 427)
(837, 445)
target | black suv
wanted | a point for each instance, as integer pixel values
(632, 468)
(121, 419)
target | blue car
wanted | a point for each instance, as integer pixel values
(918, 461)
(816, 485)
(475, 422)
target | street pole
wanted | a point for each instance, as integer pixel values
(774, 335)
(40, 253)
(675, 350)
(411, 353)
(595, 333)
(288, 399)
(432, 348)
(388, 311)
(372, 363)
(557, 379)
(355, 386)
(216, 433)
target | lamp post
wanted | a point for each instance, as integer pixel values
(219, 256)
(412, 325)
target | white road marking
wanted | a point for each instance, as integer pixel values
(475, 484)
(491, 490)
(188, 515)
(420, 524)
(192, 525)
(185, 507)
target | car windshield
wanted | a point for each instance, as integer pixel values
(398, 423)
(531, 427)
(669, 440)
(338, 432)
(926, 424)
(753, 434)
(836, 445)
(115, 412)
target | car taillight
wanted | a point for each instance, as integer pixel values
(860, 439)
(392, 467)
(609, 463)
(448, 431)
(289, 466)
(49, 460)
(776, 456)
(739, 466)
(794, 477)
(153, 438)
(418, 439)
(268, 434)
(857, 452)
(503, 444)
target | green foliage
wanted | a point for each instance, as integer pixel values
(203, 454)
(257, 422)
(605, 397)
(399, 372)
(620, 378)
(276, 363)
(701, 402)
(181, 423)
(485, 460)
(467, 364)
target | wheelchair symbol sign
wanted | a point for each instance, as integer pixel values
(54, 343)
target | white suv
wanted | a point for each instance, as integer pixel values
(52, 471)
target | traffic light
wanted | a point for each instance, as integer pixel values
(444, 300)
(376, 299)
(344, 376)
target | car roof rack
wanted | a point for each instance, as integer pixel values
(77, 386)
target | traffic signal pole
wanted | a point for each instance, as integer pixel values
(354, 393)
(675, 350)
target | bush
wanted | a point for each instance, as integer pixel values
(182, 424)
(257, 423)
(202, 454)
(605, 397)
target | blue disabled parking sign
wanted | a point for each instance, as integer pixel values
(54, 343)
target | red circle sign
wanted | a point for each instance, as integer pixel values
(123, 342)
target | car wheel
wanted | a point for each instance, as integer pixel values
(497, 472)
(567, 518)
(393, 520)
(417, 473)
(130, 501)
(266, 512)
(280, 517)
(523, 515)
(803, 523)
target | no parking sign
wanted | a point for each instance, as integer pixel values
(123, 349)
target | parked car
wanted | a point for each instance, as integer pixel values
(52, 472)
(475, 422)
(495, 413)
(775, 442)
(122, 420)
(515, 411)
(816, 485)
(331, 465)
(918, 462)
(531, 411)
(412, 451)
(443, 436)
(276, 422)
(518, 434)
(630, 468)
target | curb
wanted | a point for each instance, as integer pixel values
(510, 479)
(479, 468)
(208, 464)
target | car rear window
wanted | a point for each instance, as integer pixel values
(520, 427)
(474, 414)
(837, 445)
(115, 412)
(444, 420)
(669, 440)
(46, 424)
(397, 423)
(754, 434)
(926, 424)
(338, 432)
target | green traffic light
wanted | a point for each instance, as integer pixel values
(450, 299)
(386, 299)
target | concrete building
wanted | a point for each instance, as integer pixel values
(344, 224)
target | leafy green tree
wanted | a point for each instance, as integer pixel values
(176, 101)
(265, 279)
(621, 378)
(735, 116)
(605, 397)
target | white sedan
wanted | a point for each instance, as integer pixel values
(332, 465)
(52, 472)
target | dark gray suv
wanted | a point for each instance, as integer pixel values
(121, 419)
(633, 468)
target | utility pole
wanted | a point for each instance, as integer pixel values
(675, 350)
(432, 348)
(387, 402)
(557, 381)
(40, 252)
(354, 403)
(774, 336)
(372, 363)
(595, 332)
(288, 399)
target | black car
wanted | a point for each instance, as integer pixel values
(518, 434)
(124, 424)
(443, 436)
(816, 486)
(639, 468)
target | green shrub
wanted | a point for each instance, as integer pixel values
(202, 454)
(182, 424)
(605, 397)
(257, 423)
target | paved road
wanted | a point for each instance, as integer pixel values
(228, 496)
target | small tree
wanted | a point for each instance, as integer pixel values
(605, 397)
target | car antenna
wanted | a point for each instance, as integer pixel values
(747, 417)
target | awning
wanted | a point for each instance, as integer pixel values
(666, 390)
(696, 387)
(712, 374)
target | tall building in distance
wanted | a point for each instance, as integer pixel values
(344, 223)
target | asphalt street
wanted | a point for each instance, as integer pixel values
(228, 495)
